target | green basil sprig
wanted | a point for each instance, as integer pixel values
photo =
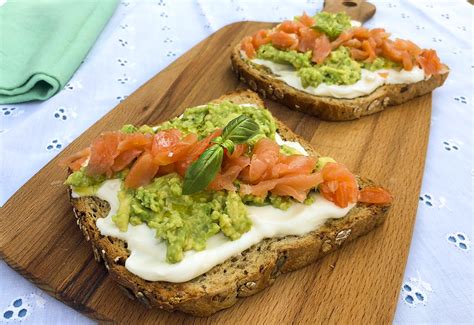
(240, 129)
(205, 168)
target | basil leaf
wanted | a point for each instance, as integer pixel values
(217, 140)
(240, 129)
(203, 170)
(229, 145)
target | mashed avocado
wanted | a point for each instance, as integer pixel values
(129, 128)
(322, 161)
(123, 214)
(287, 150)
(83, 184)
(296, 59)
(332, 24)
(184, 222)
(338, 69)
(205, 119)
(278, 202)
(380, 63)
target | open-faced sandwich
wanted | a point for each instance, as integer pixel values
(213, 205)
(328, 66)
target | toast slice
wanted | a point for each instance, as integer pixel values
(263, 81)
(240, 276)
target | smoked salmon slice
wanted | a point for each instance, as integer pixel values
(260, 38)
(135, 141)
(124, 159)
(271, 171)
(307, 37)
(306, 20)
(265, 154)
(142, 171)
(232, 165)
(339, 185)
(286, 190)
(321, 49)
(247, 46)
(168, 147)
(284, 40)
(358, 55)
(342, 38)
(301, 183)
(294, 164)
(75, 161)
(375, 195)
(430, 62)
(103, 153)
(367, 47)
(290, 26)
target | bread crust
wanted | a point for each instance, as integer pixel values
(262, 81)
(240, 276)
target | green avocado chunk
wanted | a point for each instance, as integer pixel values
(130, 128)
(279, 202)
(123, 214)
(184, 222)
(380, 63)
(80, 179)
(287, 150)
(322, 161)
(83, 184)
(296, 59)
(332, 24)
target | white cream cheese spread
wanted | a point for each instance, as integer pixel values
(368, 82)
(148, 254)
(355, 23)
(292, 144)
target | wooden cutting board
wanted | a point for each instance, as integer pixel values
(358, 284)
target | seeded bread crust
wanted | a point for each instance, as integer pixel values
(261, 80)
(240, 276)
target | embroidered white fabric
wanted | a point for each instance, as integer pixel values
(143, 37)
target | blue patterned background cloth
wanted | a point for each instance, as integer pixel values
(143, 37)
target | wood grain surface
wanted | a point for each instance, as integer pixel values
(359, 10)
(358, 284)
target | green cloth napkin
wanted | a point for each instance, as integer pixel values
(42, 43)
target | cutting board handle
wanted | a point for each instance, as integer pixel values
(359, 10)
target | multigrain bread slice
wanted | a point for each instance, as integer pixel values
(240, 276)
(261, 80)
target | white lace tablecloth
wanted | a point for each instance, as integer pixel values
(143, 37)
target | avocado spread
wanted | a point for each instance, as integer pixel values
(84, 184)
(296, 59)
(129, 128)
(332, 24)
(380, 63)
(338, 69)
